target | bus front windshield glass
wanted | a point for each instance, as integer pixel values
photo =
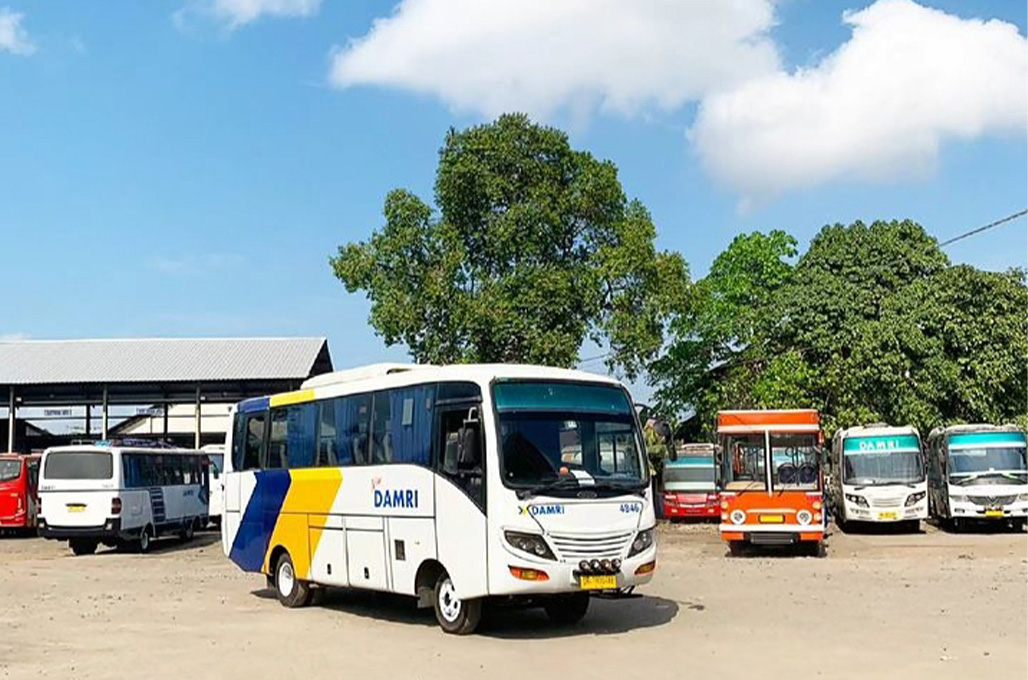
(79, 465)
(568, 435)
(692, 472)
(870, 461)
(10, 470)
(988, 465)
(745, 467)
(794, 461)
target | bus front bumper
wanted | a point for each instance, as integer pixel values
(772, 534)
(562, 577)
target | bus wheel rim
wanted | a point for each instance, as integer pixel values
(285, 579)
(449, 603)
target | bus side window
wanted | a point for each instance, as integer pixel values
(326, 435)
(278, 456)
(253, 436)
(354, 427)
(33, 475)
(381, 439)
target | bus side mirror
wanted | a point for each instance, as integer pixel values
(663, 430)
(469, 451)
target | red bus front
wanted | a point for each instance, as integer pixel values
(772, 491)
(19, 476)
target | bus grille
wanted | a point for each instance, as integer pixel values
(887, 502)
(990, 501)
(580, 547)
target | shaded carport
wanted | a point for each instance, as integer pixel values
(105, 373)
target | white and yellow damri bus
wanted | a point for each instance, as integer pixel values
(452, 484)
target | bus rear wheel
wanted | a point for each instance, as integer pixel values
(186, 533)
(565, 610)
(455, 616)
(83, 546)
(291, 591)
(145, 536)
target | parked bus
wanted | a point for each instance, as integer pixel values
(877, 474)
(19, 478)
(216, 465)
(771, 491)
(978, 473)
(451, 484)
(121, 493)
(690, 483)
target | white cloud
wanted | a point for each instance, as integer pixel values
(237, 13)
(542, 56)
(876, 109)
(14, 38)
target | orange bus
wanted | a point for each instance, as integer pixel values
(772, 489)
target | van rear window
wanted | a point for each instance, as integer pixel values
(10, 470)
(79, 465)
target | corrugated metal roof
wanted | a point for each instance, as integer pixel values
(156, 360)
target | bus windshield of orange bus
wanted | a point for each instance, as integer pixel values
(794, 461)
(748, 469)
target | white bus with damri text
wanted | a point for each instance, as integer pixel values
(877, 474)
(451, 484)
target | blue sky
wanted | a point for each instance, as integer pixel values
(186, 168)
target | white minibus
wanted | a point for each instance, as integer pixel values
(120, 493)
(876, 473)
(216, 464)
(451, 484)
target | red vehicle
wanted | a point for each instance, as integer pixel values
(690, 483)
(19, 499)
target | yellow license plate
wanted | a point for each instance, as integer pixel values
(994, 513)
(886, 515)
(76, 508)
(597, 582)
(772, 519)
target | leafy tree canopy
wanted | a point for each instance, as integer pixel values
(872, 324)
(534, 249)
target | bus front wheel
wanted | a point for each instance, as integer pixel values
(83, 546)
(455, 616)
(291, 591)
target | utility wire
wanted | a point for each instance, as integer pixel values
(1006, 219)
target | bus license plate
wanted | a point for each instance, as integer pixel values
(597, 582)
(772, 519)
(76, 508)
(886, 515)
(994, 513)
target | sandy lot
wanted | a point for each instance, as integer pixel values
(934, 605)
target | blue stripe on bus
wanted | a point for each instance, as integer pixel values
(258, 404)
(251, 541)
(979, 438)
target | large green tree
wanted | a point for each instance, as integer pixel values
(533, 249)
(872, 324)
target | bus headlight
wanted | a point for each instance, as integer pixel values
(643, 540)
(804, 517)
(737, 516)
(1021, 498)
(958, 498)
(859, 500)
(533, 544)
(915, 498)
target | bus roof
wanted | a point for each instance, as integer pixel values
(875, 430)
(973, 427)
(384, 376)
(122, 449)
(785, 420)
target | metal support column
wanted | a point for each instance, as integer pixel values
(103, 420)
(165, 406)
(198, 420)
(11, 417)
(89, 420)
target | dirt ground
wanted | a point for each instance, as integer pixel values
(934, 605)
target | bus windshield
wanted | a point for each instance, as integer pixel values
(869, 461)
(10, 470)
(794, 462)
(991, 465)
(699, 471)
(79, 465)
(584, 434)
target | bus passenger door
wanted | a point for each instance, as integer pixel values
(460, 500)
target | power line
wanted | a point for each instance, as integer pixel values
(1008, 218)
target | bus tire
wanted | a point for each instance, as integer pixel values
(737, 548)
(83, 546)
(145, 538)
(186, 533)
(291, 591)
(455, 616)
(565, 610)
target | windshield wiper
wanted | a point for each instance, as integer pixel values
(992, 473)
(560, 484)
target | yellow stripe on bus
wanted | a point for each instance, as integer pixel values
(311, 492)
(288, 398)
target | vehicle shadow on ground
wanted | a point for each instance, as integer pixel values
(983, 527)
(878, 529)
(168, 544)
(605, 617)
(750, 551)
